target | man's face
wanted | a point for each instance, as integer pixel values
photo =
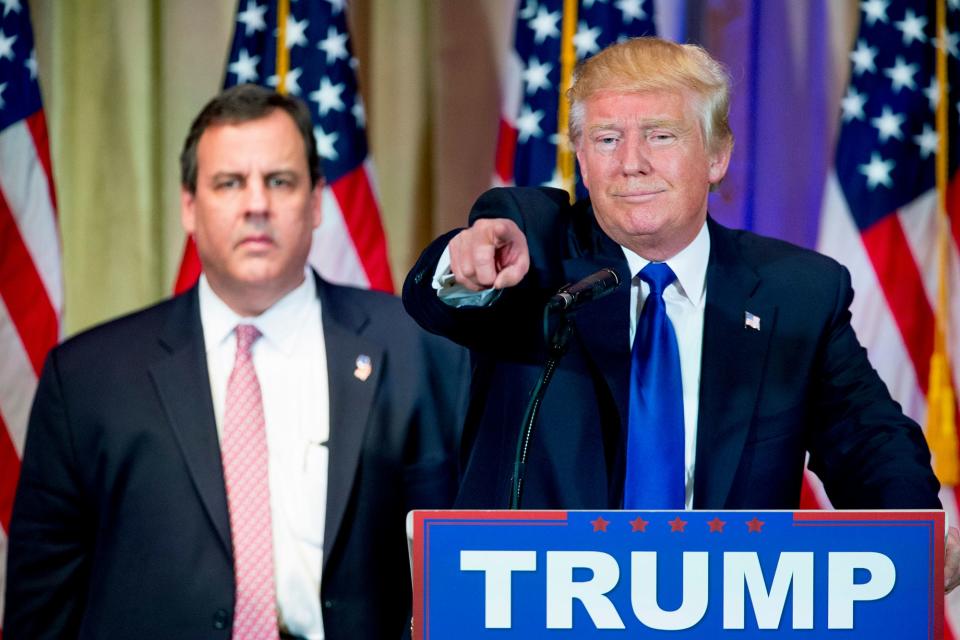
(254, 211)
(643, 159)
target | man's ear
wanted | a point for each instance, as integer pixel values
(719, 162)
(316, 203)
(188, 217)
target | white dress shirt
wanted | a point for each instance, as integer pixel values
(685, 300)
(290, 359)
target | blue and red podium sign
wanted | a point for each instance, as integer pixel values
(678, 574)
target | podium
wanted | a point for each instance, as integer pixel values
(677, 574)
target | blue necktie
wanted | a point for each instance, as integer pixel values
(655, 465)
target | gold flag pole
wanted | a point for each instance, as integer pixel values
(283, 54)
(568, 60)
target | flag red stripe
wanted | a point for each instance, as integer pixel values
(189, 268)
(506, 150)
(37, 124)
(362, 218)
(902, 286)
(953, 207)
(23, 292)
(9, 471)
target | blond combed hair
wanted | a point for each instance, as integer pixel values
(646, 64)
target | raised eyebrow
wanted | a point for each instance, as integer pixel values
(671, 125)
(282, 173)
(605, 126)
(227, 175)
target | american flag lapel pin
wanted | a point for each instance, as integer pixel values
(751, 321)
(364, 367)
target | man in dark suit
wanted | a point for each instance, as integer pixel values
(770, 369)
(133, 513)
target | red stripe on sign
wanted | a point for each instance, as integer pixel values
(506, 151)
(37, 124)
(23, 292)
(9, 472)
(362, 217)
(903, 290)
(189, 268)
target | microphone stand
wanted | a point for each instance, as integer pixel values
(557, 340)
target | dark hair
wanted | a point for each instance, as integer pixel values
(243, 103)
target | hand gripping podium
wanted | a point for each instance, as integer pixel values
(677, 574)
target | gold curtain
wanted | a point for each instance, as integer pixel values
(121, 80)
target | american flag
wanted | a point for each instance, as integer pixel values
(533, 88)
(881, 216)
(31, 286)
(316, 64)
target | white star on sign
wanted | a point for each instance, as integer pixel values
(252, 18)
(334, 45)
(6, 45)
(328, 97)
(878, 171)
(585, 40)
(536, 75)
(874, 10)
(325, 143)
(528, 124)
(545, 25)
(863, 58)
(901, 74)
(291, 81)
(852, 104)
(912, 27)
(927, 141)
(245, 67)
(888, 124)
(631, 10)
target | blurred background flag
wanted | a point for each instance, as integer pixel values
(890, 213)
(303, 49)
(31, 285)
(550, 36)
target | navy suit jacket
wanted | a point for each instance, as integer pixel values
(800, 384)
(120, 526)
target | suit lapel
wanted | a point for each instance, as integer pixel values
(351, 398)
(184, 388)
(732, 366)
(604, 327)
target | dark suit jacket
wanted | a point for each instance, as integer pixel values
(802, 383)
(120, 526)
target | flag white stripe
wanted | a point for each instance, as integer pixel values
(919, 222)
(26, 190)
(18, 382)
(872, 320)
(333, 253)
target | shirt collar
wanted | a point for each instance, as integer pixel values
(277, 324)
(690, 265)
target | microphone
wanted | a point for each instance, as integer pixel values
(571, 297)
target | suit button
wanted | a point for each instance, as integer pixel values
(328, 604)
(220, 619)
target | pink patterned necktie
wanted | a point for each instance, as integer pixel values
(248, 496)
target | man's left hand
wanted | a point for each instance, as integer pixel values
(951, 564)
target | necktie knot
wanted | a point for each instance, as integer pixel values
(658, 275)
(247, 334)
